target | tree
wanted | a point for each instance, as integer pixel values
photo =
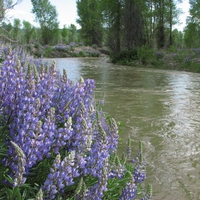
(46, 15)
(64, 34)
(191, 34)
(16, 29)
(161, 24)
(172, 14)
(177, 38)
(91, 21)
(194, 10)
(133, 24)
(72, 33)
(5, 6)
(192, 30)
(159, 18)
(28, 31)
(113, 23)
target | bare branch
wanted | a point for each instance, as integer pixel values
(6, 5)
(7, 38)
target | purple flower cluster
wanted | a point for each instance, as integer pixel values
(117, 170)
(139, 172)
(61, 175)
(20, 170)
(96, 191)
(129, 192)
(45, 113)
(72, 44)
(48, 117)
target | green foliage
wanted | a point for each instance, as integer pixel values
(46, 15)
(72, 34)
(115, 186)
(28, 31)
(133, 30)
(5, 6)
(91, 21)
(172, 49)
(94, 46)
(16, 29)
(179, 57)
(81, 54)
(192, 32)
(125, 56)
(64, 34)
(178, 39)
(48, 51)
(192, 29)
(145, 54)
(113, 20)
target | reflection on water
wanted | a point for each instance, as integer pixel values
(161, 108)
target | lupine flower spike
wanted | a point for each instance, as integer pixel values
(148, 195)
(128, 150)
(39, 195)
(130, 190)
(140, 171)
(20, 171)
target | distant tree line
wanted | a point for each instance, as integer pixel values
(128, 24)
(48, 31)
(121, 25)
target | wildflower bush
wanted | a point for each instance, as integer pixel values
(56, 144)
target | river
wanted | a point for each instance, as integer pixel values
(159, 107)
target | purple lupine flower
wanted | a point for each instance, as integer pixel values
(72, 44)
(73, 104)
(19, 179)
(139, 172)
(22, 104)
(47, 112)
(98, 154)
(61, 175)
(117, 170)
(96, 191)
(49, 185)
(129, 192)
(111, 130)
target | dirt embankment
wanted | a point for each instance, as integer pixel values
(64, 51)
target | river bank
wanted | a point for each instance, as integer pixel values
(170, 59)
(65, 51)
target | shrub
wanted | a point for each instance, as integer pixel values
(94, 46)
(55, 143)
(159, 55)
(48, 51)
(145, 54)
(125, 56)
(81, 54)
(172, 49)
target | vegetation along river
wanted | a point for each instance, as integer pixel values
(159, 107)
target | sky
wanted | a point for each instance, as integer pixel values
(67, 13)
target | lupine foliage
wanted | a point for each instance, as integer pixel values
(55, 143)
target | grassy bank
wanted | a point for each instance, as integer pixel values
(172, 58)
